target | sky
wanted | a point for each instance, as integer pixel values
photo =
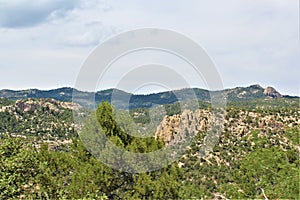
(43, 44)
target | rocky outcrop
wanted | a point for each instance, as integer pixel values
(176, 128)
(70, 105)
(27, 106)
(31, 105)
(271, 92)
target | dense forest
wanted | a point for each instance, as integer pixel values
(42, 156)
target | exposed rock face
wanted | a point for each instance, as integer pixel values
(70, 105)
(27, 106)
(271, 92)
(177, 127)
(32, 105)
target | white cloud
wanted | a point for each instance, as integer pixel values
(22, 13)
(251, 41)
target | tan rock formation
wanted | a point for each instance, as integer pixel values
(271, 92)
(176, 128)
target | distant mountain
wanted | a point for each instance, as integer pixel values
(122, 98)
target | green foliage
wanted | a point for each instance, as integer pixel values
(140, 115)
(18, 167)
(238, 170)
(105, 115)
(241, 166)
(266, 104)
(31, 173)
(172, 109)
(106, 118)
(293, 134)
(5, 102)
(41, 122)
(270, 171)
(8, 122)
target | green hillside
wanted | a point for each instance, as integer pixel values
(42, 157)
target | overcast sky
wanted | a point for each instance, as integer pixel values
(44, 43)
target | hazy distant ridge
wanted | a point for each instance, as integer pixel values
(65, 94)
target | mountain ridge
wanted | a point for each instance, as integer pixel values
(145, 100)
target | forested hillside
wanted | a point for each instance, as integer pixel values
(257, 155)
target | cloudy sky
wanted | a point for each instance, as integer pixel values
(44, 43)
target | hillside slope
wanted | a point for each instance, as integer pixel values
(256, 156)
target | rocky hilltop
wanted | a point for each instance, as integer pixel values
(47, 119)
(31, 105)
(271, 92)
